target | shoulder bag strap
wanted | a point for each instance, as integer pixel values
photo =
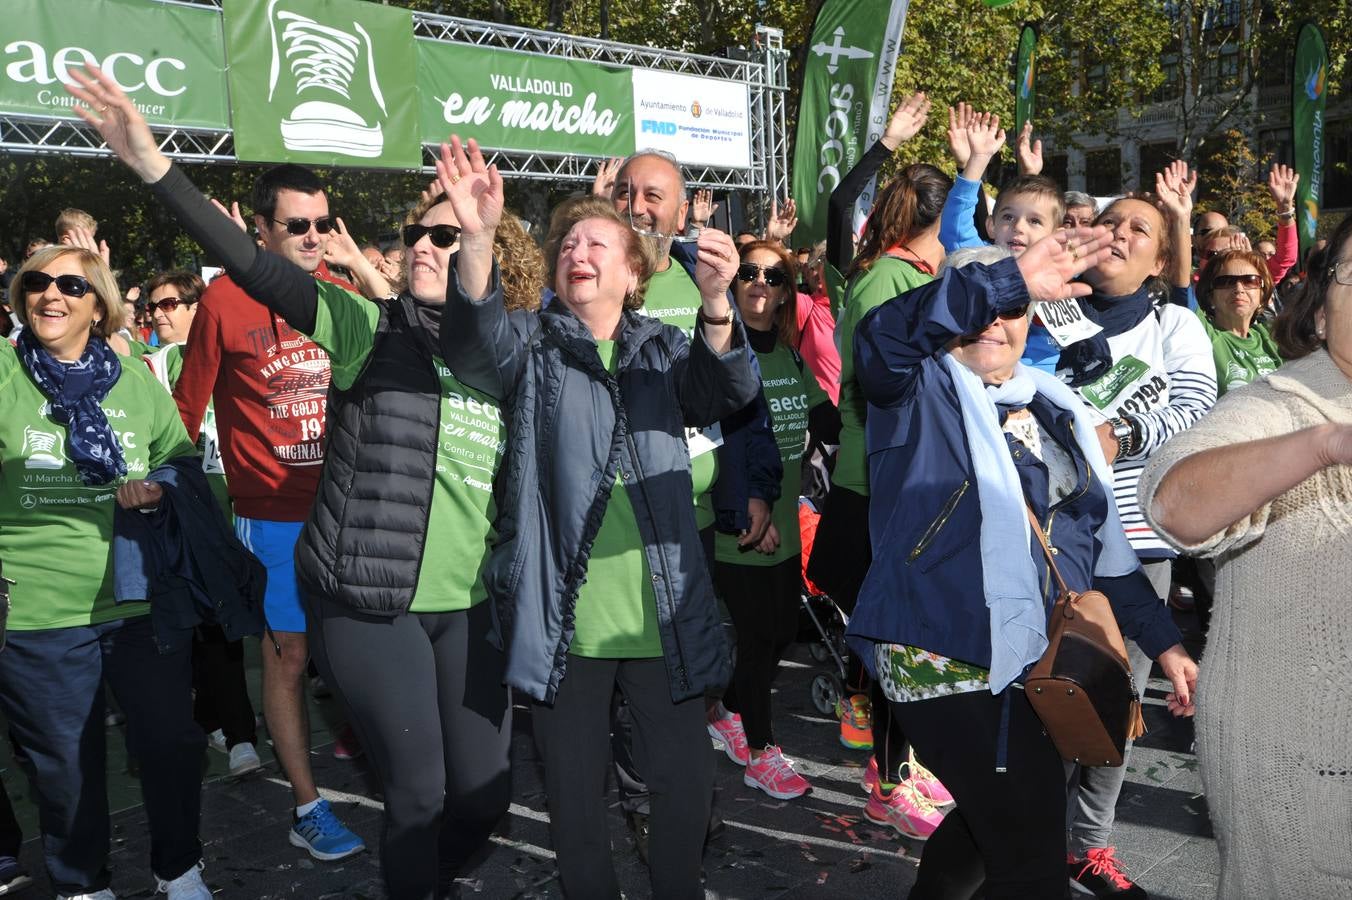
(1046, 549)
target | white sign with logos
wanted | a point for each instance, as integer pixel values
(700, 121)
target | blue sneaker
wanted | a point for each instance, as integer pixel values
(320, 832)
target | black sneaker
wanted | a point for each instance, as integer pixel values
(12, 876)
(1099, 873)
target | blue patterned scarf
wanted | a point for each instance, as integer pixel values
(76, 393)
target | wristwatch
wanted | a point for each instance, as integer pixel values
(1288, 214)
(712, 320)
(1125, 433)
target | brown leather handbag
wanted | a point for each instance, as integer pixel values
(1082, 688)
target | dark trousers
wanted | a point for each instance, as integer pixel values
(671, 747)
(222, 697)
(11, 836)
(425, 695)
(1008, 830)
(763, 603)
(889, 743)
(51, 690)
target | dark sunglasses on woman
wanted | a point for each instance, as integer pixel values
(168, 304)
(71, 285)
(774, 276)
(442, 236)
(299, 226)
(1232, 281)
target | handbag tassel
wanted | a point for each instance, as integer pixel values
(1136, 727)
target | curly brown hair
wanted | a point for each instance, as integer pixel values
(786, 315)
(910, 203)
(641, 252)
(521, 265)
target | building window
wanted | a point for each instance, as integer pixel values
(1167, 91)
(1103, 172)
(1154, 158)
(1337, 170)
(1057, 168)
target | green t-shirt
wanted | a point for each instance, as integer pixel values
(616, 612)
(1241, 360)
(672, 297)
(884, 280)
(167, 364)
(790, 393)
(469, 448)
(56, 533)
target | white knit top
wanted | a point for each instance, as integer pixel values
(1274, 704)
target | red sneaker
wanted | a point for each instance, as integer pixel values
(1100, 873)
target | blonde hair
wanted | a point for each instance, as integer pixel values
(71, 218)
(106, 293)
(521, 265)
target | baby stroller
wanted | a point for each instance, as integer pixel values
(822, 625)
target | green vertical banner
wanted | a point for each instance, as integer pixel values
(847, 92)
(323, 82)
(1309, 89)
(1025, 88)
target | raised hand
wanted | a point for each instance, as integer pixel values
(1239, 242)
(341, 250)
(84, 238)
(702, 208)
(604, 183)
(783, 220)
(1028, 151)
(958, 120)
(473, 188)
(985, 135)
(906, 121)
(430, 193)
(233, 213)
(109, 110)
(1175, 185)
(1282, 184)
(715, 265)
(1050, 265)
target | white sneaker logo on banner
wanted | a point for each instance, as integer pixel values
(324, 60)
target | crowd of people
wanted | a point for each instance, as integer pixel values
(473, 468)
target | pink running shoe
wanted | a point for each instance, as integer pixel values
(346, 745)
(904, 810)
(871, 779)
(773, 773)
(930, 787)
(727, 729)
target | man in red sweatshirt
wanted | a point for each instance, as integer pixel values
(270, 383)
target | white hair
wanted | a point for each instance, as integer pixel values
(987, 254)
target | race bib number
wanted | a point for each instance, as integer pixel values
(1066, 321)
(704, 440)
(1128, 387)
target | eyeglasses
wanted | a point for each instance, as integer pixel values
(657, 235)
(168, 304)
(299, 226)
(442, 236)
(71, 285)
(774, 276)
(1342, 272)
(1233, 281)
(1016, 313)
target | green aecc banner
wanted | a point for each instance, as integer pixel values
(1025, 88)
(1309, 90)
(170, 59)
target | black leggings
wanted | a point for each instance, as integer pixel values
(763, 603)
(1009, 830)
(671, 747)
(426, 697)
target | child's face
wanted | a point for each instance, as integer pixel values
(1021, 221)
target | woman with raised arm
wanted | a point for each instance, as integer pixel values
(965, 443)
(1263, 485)
(598, 571)
(392, 557)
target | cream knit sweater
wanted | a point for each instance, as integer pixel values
(1274, 703)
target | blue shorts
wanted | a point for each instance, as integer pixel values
(274, 543)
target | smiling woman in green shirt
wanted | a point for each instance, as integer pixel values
(79, 429)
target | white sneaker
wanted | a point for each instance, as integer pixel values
(244, 759)
(105, 894)
(216, 741)
(188, 886)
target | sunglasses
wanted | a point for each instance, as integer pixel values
(1233, 281)
(168, 304)
(1016, 313)
(774, 276)
(299, 226)
(70, 285)
(442, 236)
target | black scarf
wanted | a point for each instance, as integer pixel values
(1084, 362)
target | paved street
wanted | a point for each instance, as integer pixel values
(819, 846)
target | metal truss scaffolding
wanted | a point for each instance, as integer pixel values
(764, 71)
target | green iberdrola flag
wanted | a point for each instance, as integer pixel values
(1308, 92)
(847, 94)
(1025, 90)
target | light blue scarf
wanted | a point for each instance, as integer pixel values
(1008, 573)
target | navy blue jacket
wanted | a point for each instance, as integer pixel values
(186, 561)
(924, 587)
(570, 422)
